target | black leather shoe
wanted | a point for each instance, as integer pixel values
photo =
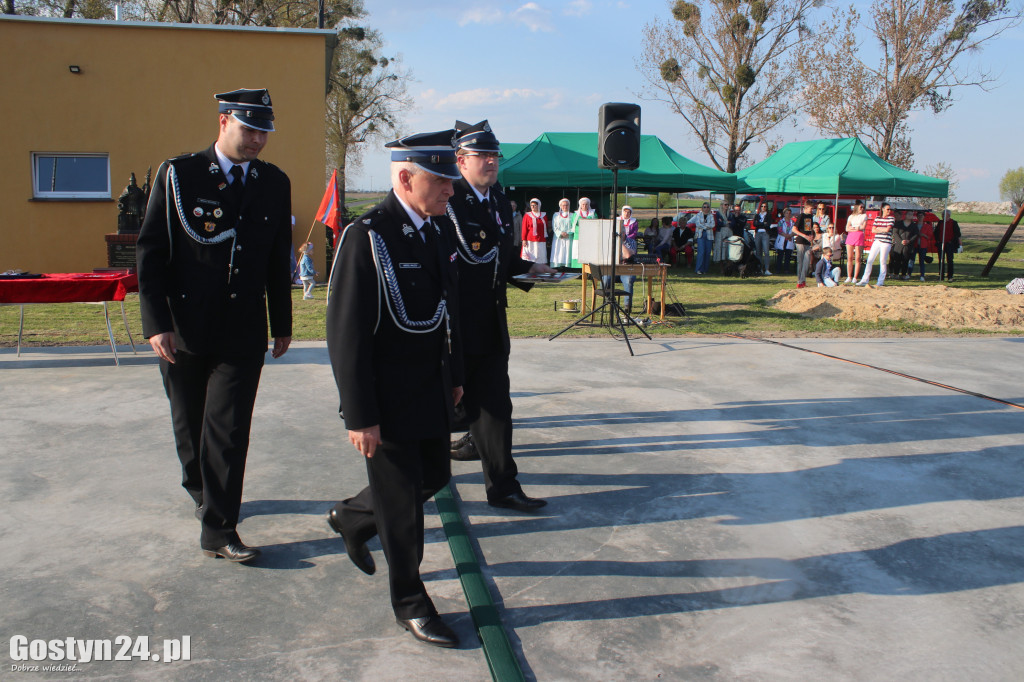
(467, 453)
(430, 629)
(519, 502)
(359, 554)
(233, 551)
(467, 438)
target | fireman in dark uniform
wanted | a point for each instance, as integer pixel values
(481, 218)
(213, 260)
(392, 336)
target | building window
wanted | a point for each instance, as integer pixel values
(70, 176)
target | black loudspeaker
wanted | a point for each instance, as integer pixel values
(618, 131)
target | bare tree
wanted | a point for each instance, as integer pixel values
(366, 98)
(945, 172)
(920, 65)
(727, 67)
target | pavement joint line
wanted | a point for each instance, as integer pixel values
(880, 369)
(501, 660)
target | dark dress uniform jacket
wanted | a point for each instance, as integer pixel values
(482, 295)
(386, 373)
(209, 269)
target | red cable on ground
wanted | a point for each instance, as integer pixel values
(880, 369)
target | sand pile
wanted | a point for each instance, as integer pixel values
(935, 306)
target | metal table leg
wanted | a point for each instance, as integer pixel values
(110, 333)
(21, 326)
(127, 330)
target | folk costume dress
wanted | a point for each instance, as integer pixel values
(562, 240)
(535, 232)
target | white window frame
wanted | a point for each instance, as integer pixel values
(40, 193)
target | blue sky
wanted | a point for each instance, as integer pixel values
(547, 66)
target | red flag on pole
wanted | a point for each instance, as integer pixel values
(329, 212)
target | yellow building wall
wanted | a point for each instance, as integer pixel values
(144, 94)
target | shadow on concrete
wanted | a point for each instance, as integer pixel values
(953, 562)
(848, 486)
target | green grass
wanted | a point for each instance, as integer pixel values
(714, 305)
(982, 218)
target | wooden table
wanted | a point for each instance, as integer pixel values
(646, 271)
(71, 288)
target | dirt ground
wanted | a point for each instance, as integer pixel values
(934, 306)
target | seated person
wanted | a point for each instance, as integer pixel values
(682, 242)
(824, 273)
(650, 235)
(664, 238)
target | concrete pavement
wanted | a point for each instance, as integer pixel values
(719, 509)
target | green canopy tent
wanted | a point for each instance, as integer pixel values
(834, 167)
(569, 160)
(557, 165)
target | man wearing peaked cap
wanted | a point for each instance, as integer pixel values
(393, 339)
(214, 262)
(251, 108)
(481, 220)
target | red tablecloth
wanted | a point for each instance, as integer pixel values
(69, 288)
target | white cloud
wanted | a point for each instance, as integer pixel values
(485, 98)
(481, 15)
(534, 17)
(965, 173)
(578, 8)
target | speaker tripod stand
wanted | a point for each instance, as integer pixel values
(617, 315)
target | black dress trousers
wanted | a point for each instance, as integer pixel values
(487, 407)
(212, 398)
(403, 475)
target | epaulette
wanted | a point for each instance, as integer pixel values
(368, 219)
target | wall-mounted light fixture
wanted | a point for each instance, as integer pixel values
(75, 68)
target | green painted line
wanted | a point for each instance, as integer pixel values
(501, 659)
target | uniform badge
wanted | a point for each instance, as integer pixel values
(476, 246)
(483, 235)
(222, 185)
(214, 167)
(366, 221)
(409, 266)
(253, 173)
(197, 212)
(407, 230)
(266, 98)
(451, 258)
(217, 213)
(469, 199)
(210, 227)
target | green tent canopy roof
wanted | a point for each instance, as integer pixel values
(570, 160)
(843, 166)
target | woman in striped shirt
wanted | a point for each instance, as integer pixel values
(880, 248)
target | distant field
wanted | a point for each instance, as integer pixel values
(982, 218)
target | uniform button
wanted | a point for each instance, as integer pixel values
(234, 295)
(236, 271)
(238, 248)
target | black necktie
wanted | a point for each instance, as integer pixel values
(426, 231)
(236, 183)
